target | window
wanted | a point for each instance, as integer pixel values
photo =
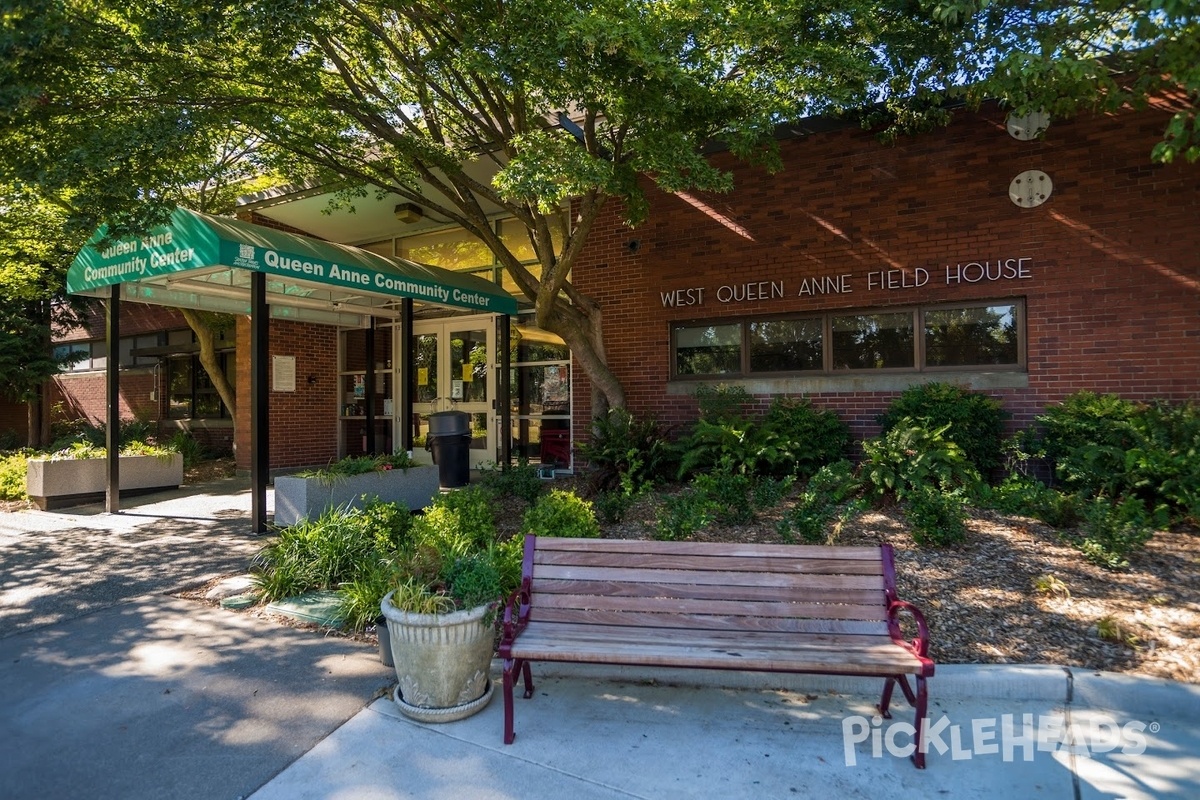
(971, 336)
(190, 391)
(515, 236)
(130, 346)
(540, 395)
(452, 249)
(708, 350)
(786, 345)
(873, 341)
(943, 337)
(79, 356)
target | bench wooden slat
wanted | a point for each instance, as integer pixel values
(788, 594)
(879, 642)
(716, 655)
(806, 566)
(627, 574)
(732, 608)
(548, 544)
(713, 622)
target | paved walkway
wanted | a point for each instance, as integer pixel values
(131, 693)
(110, 688)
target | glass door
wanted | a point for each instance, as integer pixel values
(454, 371)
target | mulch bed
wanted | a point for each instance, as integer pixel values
(982, 604)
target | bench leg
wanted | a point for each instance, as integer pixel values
(886, 699)
(922, 705)
(510, 668)
(528, 675)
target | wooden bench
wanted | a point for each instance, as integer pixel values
(764, 608)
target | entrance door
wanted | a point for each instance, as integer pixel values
(455, 370)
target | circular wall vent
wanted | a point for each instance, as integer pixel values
(1028, 126)
(1031, 188)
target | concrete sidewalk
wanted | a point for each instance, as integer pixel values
(599, 733)
(111, 688)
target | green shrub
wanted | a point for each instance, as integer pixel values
(612, 506)
(627, 452)
(1021, 494)
(809, 437)
(360, 465)
(1163, 464)
(728, 495)
(722, 403)
(458, 522)
(835, 482)
(361, 596)
(739, 446)
(9, 439)
(1086, 419)
(474, 580)
(389, 525)
(976, 421)
(821, 502)
(318, 553)
(65, 433)
(560, 513)
(1103, 446)
(1111, 532)
(508, 480)
(682, 514)
(184, 443)
(807, 519)
(13, 468)
(911, 457)
(769, 492)
(936, 518)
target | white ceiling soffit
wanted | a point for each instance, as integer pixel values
(373, 219)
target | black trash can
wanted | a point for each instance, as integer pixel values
(449, 440)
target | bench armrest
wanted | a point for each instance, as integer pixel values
(516, 616)
(920, 645)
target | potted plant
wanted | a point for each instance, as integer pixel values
(394, 478)
(447, 585)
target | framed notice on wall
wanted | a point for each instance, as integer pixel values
(283, 373)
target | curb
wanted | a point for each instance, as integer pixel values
(1062, 686)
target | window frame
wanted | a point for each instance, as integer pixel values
(917, 313)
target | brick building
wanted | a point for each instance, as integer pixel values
(855, 271)
(1096, 288)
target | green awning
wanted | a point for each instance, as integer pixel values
(199, 261)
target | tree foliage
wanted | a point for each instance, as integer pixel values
(36, 245)
(519, 107)
(1066, 56)
(470, 109)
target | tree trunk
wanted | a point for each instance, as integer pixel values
(206, 335)
(33, 426)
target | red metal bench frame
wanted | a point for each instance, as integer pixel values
(519, 612)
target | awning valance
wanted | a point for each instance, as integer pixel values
(200, 261)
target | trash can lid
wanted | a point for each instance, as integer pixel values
(449, 423)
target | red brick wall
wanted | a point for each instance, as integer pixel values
(1113, 302)
(82, 394)
(136, 319)
(303, 424)
(14, 417)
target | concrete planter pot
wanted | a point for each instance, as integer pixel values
(442, 662)
(298, 498)
(57, 483)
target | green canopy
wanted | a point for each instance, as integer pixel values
(199, 261)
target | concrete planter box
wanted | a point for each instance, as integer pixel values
(298, 499)
(57, 483)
